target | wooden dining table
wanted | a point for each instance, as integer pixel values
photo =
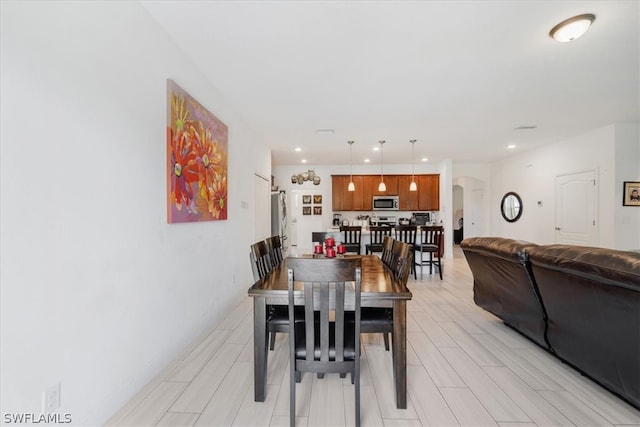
(379, 288)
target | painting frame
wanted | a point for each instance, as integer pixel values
(317, 210)
(317, 199)
(631, 193)
(306, 199)
(197, 160)
(306, 210)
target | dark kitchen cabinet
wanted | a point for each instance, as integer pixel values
(427, 198)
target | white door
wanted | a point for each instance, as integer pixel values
(576, 209)
(473, 221)
(261, 208)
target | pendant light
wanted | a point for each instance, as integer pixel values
(413, 186)
(352, 186)
(382, 187)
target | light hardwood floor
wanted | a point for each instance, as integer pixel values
(465, 367)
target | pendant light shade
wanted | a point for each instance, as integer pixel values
(351, 186)
(413, 186)
(382, 187)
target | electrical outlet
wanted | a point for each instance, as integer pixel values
(51, 399)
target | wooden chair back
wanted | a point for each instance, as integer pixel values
(352, 235)
(406, 234)
(320, 344)
(431, 238)
(387, 247)
(401, 260)
(378, 233)
(260, 260)
(274, 246)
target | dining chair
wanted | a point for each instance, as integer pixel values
(401, 261)
(321, 345)
(274, 246)
(260, 260)
(352, 236)
(430, 242)
(318, 236)
(407, 234)
(277, 316)
(378, 233)
(380, 319)
(387, 246)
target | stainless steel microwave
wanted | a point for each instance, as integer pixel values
(386, 203)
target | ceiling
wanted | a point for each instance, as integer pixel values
(460, 77)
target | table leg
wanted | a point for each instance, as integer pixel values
(260, 349)
(400, 352)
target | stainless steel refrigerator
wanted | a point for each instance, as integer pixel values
(279, 218)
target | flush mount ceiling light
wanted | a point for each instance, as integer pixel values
(352, 186)
(572, 28)
(382, 187)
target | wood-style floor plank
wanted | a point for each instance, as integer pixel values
(464, 368)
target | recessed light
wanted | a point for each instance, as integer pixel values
(424, 159)
(376, 148)
(298, 149)
(367, 160)
(572, 28)
(304, 160)
(325, 131)
(511, 146)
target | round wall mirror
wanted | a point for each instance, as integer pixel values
(511, 207)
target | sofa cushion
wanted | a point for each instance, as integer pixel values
(592, 299)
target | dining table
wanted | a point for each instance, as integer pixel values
(379, 288)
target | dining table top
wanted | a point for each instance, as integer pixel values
(377, 280)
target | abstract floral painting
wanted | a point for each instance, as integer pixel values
(197, 157)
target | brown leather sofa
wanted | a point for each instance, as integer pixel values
(589, 303)
(503, 286)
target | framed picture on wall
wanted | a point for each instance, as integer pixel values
(631, 193)
(317, 199)
(306, 210)
(317, 210)
(306, 199)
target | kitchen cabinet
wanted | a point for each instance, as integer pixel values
(408, 199)
(339, 192)
(428, 192)
(391, 181)
(427, 198)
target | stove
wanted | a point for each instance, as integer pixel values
(387, 220)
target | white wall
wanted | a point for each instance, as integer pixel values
(627, 218)
(98, 291)
(611, 151)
